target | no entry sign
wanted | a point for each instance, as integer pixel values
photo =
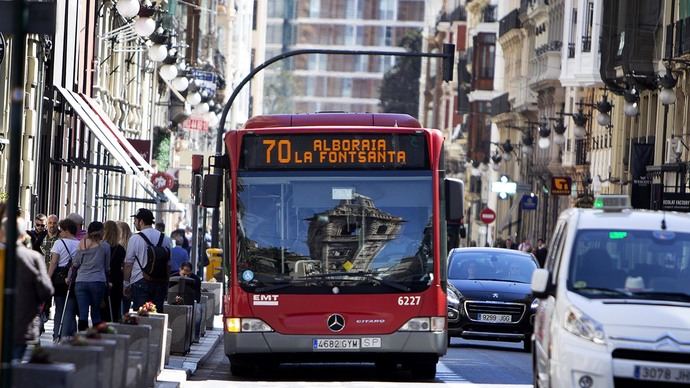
(487, 216)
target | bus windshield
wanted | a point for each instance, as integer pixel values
(334, 231)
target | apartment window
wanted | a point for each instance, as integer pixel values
(361, 62)
(573, 33)
(387, 9)
(347, 87)
(351, 11)
(388, 36)
(314, 8)
(311, 86)
(274, 33)
(387, 63)
(587, 28)
(275, 8)
(350, 35)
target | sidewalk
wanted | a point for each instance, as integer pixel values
(179, 368)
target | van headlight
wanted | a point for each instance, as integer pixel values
(453, 297)
(535, 304)
(583, 326)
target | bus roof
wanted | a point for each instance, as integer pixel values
(333, 119)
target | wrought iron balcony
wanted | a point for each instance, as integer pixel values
(509, 22)
(571, 50)
(586, 44)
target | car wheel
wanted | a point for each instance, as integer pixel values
(386, 366)
(424, 369)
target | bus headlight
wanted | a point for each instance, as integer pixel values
(435, 324)
(246, 325)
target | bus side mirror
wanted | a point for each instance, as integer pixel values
(455, 206)
(211, 194)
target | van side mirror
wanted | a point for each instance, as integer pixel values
(540, 283)
(455, 204)
(212, 192)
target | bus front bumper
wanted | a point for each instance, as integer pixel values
(369, 347)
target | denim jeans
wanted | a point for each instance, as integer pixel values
(69, 326)
(90, 295)
(144, 291)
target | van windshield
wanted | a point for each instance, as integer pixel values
(640, 264)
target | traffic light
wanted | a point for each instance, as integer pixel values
(448, 61)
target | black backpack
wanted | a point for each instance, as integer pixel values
(157, 260)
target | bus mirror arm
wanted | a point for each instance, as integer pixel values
(455, 207)
(212, 191)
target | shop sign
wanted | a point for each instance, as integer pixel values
(143, 147)
(205, 81)
(195, 123)
(162, 181)
(561, 185)
(679, 202)
(529, 202)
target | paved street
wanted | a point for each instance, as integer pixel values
(467, 364)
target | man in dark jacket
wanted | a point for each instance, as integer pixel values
(33, 287)
(38, 233)
(541, 252)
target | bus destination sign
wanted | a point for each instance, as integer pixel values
(342, 151)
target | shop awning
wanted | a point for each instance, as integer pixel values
(110, 137)
(106, 132)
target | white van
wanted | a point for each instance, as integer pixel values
(614, 299)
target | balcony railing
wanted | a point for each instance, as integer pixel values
(500, 105)
(509, 22)
(554, 45)
(586, 44)
(682, 37)
(489, 15)
(571, 50)
(580, 152)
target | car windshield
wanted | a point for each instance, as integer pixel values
(491, 265)
(366, 231)
(623, 263)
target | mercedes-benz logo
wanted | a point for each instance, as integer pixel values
(336, 322)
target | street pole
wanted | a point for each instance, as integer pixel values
(11, 234)
(448, 56)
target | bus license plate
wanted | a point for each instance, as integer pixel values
(502, 318)
(336, 343)
(671, 375)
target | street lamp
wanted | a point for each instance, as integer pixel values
(667, 83)
(559, 130)
(544, 133)
(631, 97)
(527, 143)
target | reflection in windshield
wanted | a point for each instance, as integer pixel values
(640, 264)
(293, 228)
(496, 265)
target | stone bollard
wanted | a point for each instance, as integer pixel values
(204, 311)
(121, 354)
(168, 344)
(37, 375)
(196, 323)
(159, 334)
(139, 345)
(89, 362)
(180, 321)
(210, 309)
(217, 289)
(110, 355)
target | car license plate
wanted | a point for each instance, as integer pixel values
(503, 318)
(654, 373)
(336, 343)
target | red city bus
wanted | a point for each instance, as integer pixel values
(337, 241)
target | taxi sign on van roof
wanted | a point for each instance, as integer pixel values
(612, 203)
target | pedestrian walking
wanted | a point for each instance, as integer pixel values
(525, 246)
(38, 233)
(125, 235)
(147, 263)
(541, 252)
(111, 235)
(510, 244)
(92, 265)
(33, 288)
(79, 221)
(179, 253)
(62, 256)
(52, 235)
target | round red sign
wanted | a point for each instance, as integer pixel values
(487, 216)
(162, 181)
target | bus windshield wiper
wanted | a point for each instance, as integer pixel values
(674, 296)
(373, 276)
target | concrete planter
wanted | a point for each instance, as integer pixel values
(180, 321)
(139, 344)
(217, 289)
(204, 312)
(89, 361)
(168, 344)
(37, 375)
(159, 334)
(112, 361)
(196, 327)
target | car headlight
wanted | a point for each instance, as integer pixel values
(453, 297)
(535, 304)
(583, 326)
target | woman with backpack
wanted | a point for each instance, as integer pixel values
(111, 235)
(61, 258)
(92, 263)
